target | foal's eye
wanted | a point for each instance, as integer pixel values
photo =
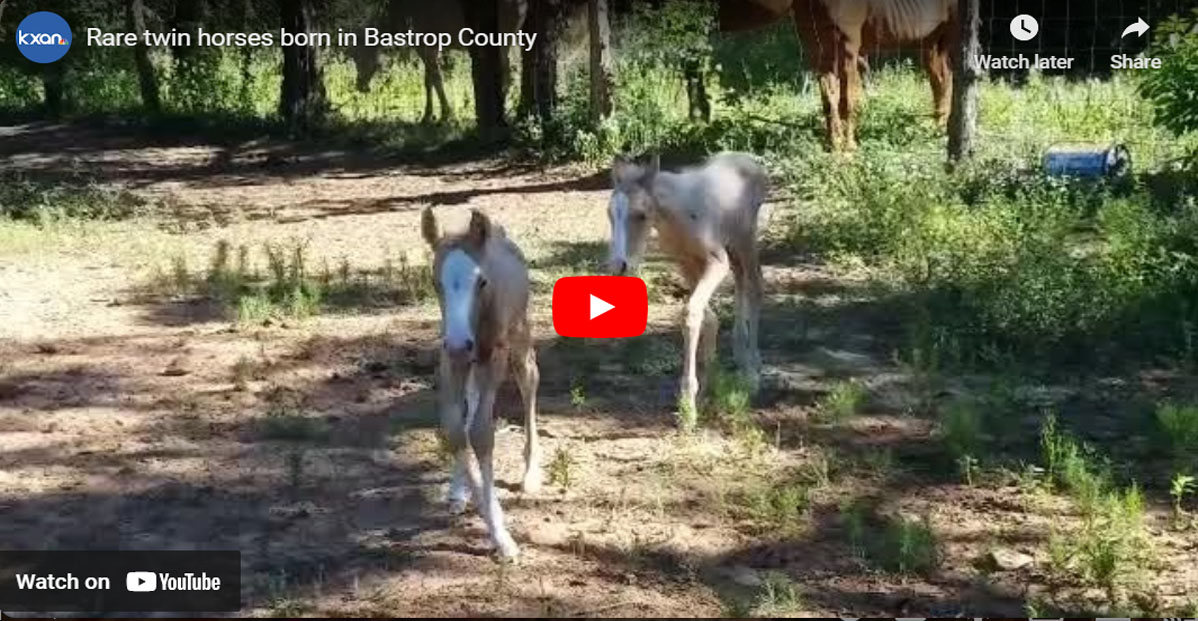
(482, 282)
(639, 217)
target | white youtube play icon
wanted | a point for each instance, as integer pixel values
(598, 306)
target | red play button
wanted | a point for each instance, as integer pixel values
(600, 307)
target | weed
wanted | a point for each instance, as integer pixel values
(817, 470)
(776, 506)
(286, 421)
(578, 393)
(1180, 425)
(841, 403)
(968, 466)
(961, 430)
(730, 409)
(908, 546)
(561, 468)
(854, 515)
(879, 461)
(778, 597)
(898, 544)
(1181, 486)
(688, 416)
(730, 395)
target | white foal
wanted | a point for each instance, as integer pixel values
(482, 286)
(706, 222)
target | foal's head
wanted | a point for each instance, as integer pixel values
(460, 281)
(629, 212)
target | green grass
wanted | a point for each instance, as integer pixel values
(842, 402)
(778, 597)
(961, 429)
(901, 545)
(1180, 426)
(773, 506)
(284, 285)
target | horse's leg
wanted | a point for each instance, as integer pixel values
(524, 362)
(850, 91)
(428, 58)
(823, 54)
(713, 274)
(454, 402)
(439, 85)
(489, 375)
(746, 269)
(936, 62)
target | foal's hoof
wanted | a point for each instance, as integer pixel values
(531, 483)
(506, 550)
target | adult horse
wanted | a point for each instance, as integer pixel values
(422, 16)
(835, 34)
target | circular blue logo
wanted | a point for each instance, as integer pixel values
(44, 37)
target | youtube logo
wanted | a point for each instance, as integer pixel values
(600, 307)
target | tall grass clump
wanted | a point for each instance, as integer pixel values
(284, 285)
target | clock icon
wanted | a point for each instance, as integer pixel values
(1025, 27)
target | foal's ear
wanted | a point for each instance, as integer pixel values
(480, 228)
(428, 227)
(649, 172)
(623, 170)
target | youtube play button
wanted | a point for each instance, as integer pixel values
(600, 307)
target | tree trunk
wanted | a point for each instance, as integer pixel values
(136, 22)
(963, 120)
(303, 101)
(52, 79)
(486, 67)
(527, 81)
(189, 16)
(601, 65)
(545, 18)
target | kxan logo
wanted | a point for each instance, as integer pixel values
(44, 37)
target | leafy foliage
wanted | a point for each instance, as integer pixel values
(1171, 88)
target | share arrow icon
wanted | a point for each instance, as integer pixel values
(1139, 28)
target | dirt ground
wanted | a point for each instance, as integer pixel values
(122, 426)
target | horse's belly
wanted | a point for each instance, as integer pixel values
(894, 22)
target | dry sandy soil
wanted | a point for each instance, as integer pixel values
(122, 426)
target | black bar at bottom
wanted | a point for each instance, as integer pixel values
(120, 581)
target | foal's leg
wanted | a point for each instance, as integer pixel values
(453, 403)
(746, 269)
(528, 377)
(696, 315)
(482, 440)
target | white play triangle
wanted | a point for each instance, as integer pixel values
(598, 307)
